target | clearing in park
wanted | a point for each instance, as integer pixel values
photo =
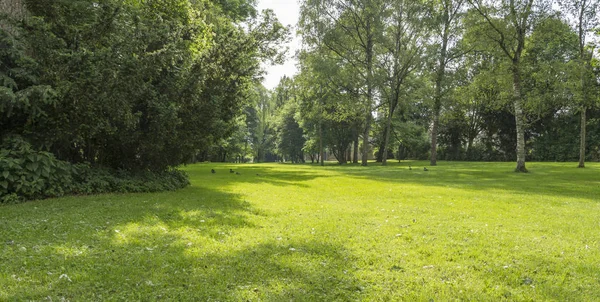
(279, 232)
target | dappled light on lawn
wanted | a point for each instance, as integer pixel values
(472, 231)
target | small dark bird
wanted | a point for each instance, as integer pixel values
(425, 169)
(237, 173)
(231, 171)
(257, 174)
(409, 167)
(213, 171)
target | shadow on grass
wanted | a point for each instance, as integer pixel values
(182, 245)
(551, 179)
(255, 174)
(544, 179)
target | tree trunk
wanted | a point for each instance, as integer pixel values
(349, 153)
(584, 64)
(369, 116)
(379, 154)
(400, 157)
(439, 78)
(340, 154)
(321, 143)
(519, 118)
(469, 146)
(355, 151)
(434, 133)
(386, 140)
(582, 139)
(365, 150)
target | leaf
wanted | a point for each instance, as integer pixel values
(5, 174)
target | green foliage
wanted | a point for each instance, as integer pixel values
(96, 181)
(110, 96)
(29, 174)
(411, 141)
(554, 135)
(133, 85)
(290, 136)
(24, 101)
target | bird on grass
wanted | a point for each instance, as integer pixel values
(409, 167)
(231, 171)
(238, 173)
(425, 169)
(257, 174)
(213, 171)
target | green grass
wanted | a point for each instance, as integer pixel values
(462, 231)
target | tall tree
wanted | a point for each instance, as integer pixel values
(351, 30)
(403, 46)
(583, 14)
(447, 18)
(509, 23)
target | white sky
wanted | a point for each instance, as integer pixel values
(287, 12)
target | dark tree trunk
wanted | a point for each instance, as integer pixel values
(379, 155)
(355, 151)
(388, 127)
(321, 143)
(582, 139)
(434, 134)
(349, 153)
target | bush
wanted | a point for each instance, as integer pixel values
(29, 174)
(99, 180)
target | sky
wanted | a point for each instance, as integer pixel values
(287, 12)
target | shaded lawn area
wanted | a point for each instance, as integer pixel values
(472, 231)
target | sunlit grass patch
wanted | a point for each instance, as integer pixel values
(470, 231)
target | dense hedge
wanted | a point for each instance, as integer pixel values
(111, 96)
(29, 174)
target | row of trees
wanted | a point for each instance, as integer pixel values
(134, 85)
(148, 85)
(451, 79)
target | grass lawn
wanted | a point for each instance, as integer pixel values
(461, 231)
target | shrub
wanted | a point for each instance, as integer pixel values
(102, 180)
(29, 174)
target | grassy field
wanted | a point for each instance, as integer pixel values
(279, 232)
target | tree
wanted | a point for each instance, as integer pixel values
(350, 30)
(262, 124)
(583, 14)
(509, 23)
(447, 17)
(403, 46)
(135, 86)
(290, 137)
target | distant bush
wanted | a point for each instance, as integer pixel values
(97, 180)
(27, 174)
